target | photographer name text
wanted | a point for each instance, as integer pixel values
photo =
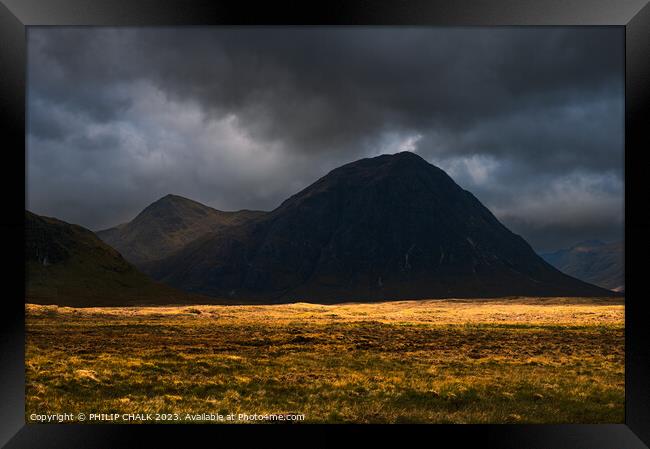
(163, 417)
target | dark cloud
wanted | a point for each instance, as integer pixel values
(243, 117)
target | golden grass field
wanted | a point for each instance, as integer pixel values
(521, 360)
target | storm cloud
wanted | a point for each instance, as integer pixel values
(530, 120)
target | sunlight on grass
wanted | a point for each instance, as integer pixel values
(551, 360)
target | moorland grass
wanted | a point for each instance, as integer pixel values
(522, 360)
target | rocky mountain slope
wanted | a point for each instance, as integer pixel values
(383, 228)
(68, 265)
(592, 261)
(166, 226)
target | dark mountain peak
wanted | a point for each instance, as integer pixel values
(404, 157)
(405, 165)
(387, 227)
(401, 155)
(394, 158)
(405, 175)
(404, 160)
(171, 200)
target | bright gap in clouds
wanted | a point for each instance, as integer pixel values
(243, 118)
(411, 143)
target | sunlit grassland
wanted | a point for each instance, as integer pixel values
(521, 360)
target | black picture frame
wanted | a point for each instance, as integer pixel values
(633, 15)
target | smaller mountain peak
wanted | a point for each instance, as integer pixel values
(171, 196)
(166, 203)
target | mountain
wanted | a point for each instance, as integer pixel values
(167, 225)
(68, 265)
(383, 228)
(592, 261)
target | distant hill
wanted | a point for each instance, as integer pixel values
(167, 225)
(389, 227)
(592, 261)
(68, 265)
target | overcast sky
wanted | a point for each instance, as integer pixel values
(530, 120)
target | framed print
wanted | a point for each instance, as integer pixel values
(354, 216)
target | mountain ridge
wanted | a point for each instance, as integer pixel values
(68, 265)
(388, 227)
(592, 261)
(166, 225)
